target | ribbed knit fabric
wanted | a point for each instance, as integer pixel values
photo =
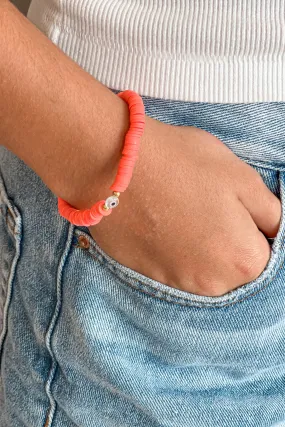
(190, 50)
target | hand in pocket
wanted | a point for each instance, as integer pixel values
(194, 217)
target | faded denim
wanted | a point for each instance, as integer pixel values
(88, 342)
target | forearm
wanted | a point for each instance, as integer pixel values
(57, 118)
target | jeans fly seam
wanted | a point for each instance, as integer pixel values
(54, 319)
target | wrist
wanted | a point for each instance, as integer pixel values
(102, 169)
(98, 156)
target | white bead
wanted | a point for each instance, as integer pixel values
(112, 202)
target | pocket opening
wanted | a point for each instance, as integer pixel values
(158, 290)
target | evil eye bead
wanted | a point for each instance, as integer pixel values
(112, 202)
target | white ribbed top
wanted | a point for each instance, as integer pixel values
(190, 50)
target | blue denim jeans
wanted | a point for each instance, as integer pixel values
(87, 342)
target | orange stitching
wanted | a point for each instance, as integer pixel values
(47, 422)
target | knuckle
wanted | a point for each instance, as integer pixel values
(252, 266)
(252, 178)
(258, 178)
(254, 175)
(256, 183)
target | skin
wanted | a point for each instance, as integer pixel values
(194, 217)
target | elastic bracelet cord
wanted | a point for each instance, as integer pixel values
(93, 215)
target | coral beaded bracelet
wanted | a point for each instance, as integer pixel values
(92, 216)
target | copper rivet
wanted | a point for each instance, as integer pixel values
(83, 242)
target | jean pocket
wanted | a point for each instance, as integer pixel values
(275, 180)
(10, 237)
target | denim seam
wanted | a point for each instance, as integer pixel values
(264, 164)
(53, 322)
(17, 234)
(9, 283)
(251, 291)
(213, 305)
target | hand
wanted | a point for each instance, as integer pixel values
(194, 216)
